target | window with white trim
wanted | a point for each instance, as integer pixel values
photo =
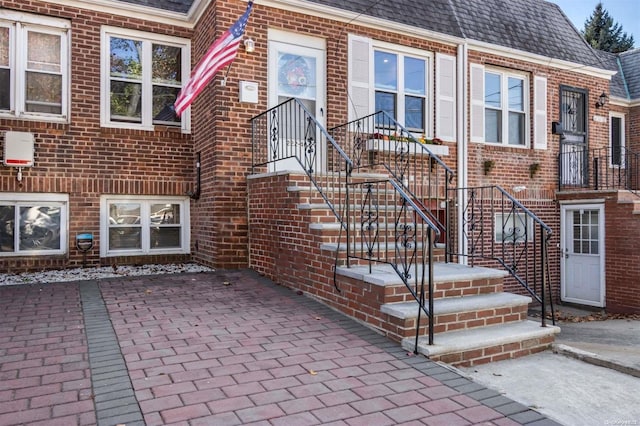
(34, 67)
(617, 145)
(142, 74)
(33, 224)
(505, 108)
(400, 84)
(144, 225)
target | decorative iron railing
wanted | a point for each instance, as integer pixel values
(384, 225)
(379, 143)
(289, 137)
(600, 168)
(498, 228)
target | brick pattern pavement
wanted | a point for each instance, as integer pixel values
(44, 372)
(222, 348)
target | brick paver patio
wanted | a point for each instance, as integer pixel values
(220, 348)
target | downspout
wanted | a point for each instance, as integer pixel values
(463, 148)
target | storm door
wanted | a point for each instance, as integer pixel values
(574, 157)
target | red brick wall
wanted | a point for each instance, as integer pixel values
(84, 160)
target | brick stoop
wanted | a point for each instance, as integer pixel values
(295, 239)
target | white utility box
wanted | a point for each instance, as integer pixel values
(18, 149)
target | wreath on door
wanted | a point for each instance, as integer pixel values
(294, 73)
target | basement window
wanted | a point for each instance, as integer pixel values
(512, 228)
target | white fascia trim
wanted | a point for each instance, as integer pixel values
(32, 18)
(521, 55)
(144, 12)
(341, 15)
(617, 101)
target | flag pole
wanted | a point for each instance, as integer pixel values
(224, 79)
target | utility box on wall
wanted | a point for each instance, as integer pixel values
(18, 149)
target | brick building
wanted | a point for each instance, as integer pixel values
(509, 91)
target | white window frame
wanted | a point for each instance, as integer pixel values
(32, 199)
(500, 224)
(145, 224)
(19, 24)
(623, 142)
(148, 39)
(504, 87)
(401, 53)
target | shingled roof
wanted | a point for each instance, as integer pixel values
(630, 63)
(534, 26)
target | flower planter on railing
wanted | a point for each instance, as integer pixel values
(415, 148)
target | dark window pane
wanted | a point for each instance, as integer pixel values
(7, 226)
(5, 88)
(166, 67)
(125, 238)
(414, 113)
(163, 100)
(39, 228)
(616, 141)
(386, 102)
(493, 125)
(44, 93)
(165, 237)
(126, 102)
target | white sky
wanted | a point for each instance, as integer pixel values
(624, 12)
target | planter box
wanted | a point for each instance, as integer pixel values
(414, 148)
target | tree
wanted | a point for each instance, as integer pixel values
(602, 33)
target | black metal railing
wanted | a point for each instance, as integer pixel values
(384, 225)
(289, 137)
(599, 169)
(378, 143)
(498, 228)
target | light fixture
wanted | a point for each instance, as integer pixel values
(249, 45)
(602, 99)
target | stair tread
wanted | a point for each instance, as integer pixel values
(384, 274)
(449, 305)
(476, 338)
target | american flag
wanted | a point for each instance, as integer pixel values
(221, 53)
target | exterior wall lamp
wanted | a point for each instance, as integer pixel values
(249, 45)
(602, 99)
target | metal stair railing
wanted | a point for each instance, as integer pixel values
(289, 132)
(498, 228)
(378, 143)
(393, 230)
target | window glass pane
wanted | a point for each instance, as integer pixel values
(492, 125)
(126, 102)
(4, 47)
(163, 100)
(126, 59)
(124, 226)
(386, 102)
(44, 93)
(165, 237)
(414, 113)
(39, 228)
(5, 89)
(516, 94)
(43, 52)
(166, 67)
(386, 71)
(414, 76)
(492, 90)
(125, 238)
(124, 214)
(7, 226)
(165, 213)
(516, 128)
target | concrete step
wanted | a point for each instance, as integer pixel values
(487, 344)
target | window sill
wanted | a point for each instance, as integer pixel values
(414, 148)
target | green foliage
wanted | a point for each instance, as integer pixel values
(602, 33)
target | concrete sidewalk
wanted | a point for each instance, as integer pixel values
(221, 348)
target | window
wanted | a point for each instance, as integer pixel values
(33, 224)
(513, 228)
(142, 74)
(505, 115)
(617, 140)
(144, 225)
(400, 83)
(34, 67)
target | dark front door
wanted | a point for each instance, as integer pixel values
(573, 144)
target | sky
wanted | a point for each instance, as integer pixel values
(624, 12)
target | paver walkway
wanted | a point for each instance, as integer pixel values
(220, 348)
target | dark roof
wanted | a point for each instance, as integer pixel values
(630, 62)
(610, 61)
(180, 6)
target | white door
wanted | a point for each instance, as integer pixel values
(582, 264)
(297, 70)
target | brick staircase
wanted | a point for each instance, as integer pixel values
(295, 238)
